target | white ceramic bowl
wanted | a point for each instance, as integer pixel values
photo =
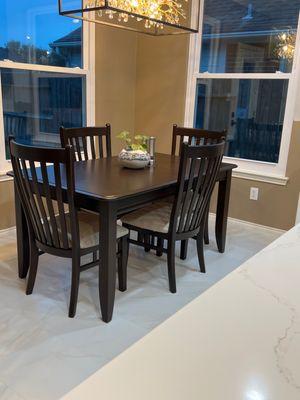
(134, 159)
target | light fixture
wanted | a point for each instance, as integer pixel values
(285, 45)
(154, 17)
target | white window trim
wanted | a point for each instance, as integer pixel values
(88, 70)
(247, 169)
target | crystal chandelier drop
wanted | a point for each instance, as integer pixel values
(154, 17)
(285, 46)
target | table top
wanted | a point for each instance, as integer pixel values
(106, 179)
(237, 341)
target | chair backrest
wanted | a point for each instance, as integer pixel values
(83, 141)
(198, 171)
(195, 137)
(41, 175)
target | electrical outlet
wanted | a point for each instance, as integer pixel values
(253, 193)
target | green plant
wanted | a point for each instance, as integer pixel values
(139, 142)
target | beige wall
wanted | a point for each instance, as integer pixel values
(161, 85)
(115, 80)
(7, 211)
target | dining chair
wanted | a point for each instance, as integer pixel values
(184, 218)
(56, 226)
(196, 137)
(84, 141)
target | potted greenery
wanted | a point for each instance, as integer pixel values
(135, 154)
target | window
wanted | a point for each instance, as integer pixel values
(251, 109)
(242, 74)
(45, 74)
(33, 32)
(35, 104)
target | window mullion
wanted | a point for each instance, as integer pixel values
(42, 68)
(3, 162)
(89, 65)
(226, 75)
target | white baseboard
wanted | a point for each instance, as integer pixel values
(213, 215)
(297, 220)
(7, 230)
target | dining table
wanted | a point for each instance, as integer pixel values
(103, 186)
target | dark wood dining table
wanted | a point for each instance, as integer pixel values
(104, 187)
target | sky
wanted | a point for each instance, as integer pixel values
(35, 22)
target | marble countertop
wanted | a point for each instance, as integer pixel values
(240, 340)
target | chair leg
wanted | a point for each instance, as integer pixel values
(34, 260)
(74, 285)
(147, 239)
(171, 266)
(140, 237)
(160, 246)
(206, 233)
(123, 247)
(183, 249)
(200, 250)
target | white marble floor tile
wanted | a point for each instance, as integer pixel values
(43, 353)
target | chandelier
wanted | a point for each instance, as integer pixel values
(154, 17)
(285, 46)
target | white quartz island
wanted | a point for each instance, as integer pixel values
(240, 340)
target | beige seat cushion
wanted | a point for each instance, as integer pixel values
(155, 217)
(89, 229)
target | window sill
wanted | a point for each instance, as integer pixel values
(260, 177)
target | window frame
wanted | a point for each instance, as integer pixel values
(247, 169)
(87, 70)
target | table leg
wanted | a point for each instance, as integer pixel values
(108, 259)
(222, 211)
(22, 238)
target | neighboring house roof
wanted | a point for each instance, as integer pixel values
(240, 17)
(73, 38)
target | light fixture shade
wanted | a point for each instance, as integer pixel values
(152, 17)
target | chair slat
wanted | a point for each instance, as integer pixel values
(202, 188)
(197, 137)
(215, 168)
(85, 149)
(36, 219)
(78, 149)
(196, 195)
(22, 189)
(54, 230)
(187, 195)
(42, 215)
(180, 144)
(88, 135)
(100, 146)
(108, 140)
(92, 144)
(64, 242)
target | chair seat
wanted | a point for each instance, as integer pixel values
(155, 217)
(89, 229)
